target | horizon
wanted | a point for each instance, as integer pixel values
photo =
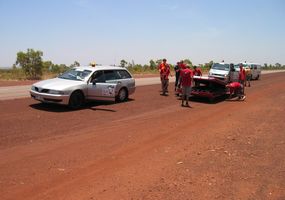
(110, 31)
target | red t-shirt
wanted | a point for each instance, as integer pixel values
(197, 72)
(182, 66)
(235, 85)
(186, 77)
(164, 70)
(241, 75)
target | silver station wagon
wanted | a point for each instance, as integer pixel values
(80, 84)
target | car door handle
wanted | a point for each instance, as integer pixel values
(119, 82)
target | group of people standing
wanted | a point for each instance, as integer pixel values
(183, 79)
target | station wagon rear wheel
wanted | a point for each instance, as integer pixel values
(122, 95)
(76, 100)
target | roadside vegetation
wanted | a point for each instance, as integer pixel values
(29, 65)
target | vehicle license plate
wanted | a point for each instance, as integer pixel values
(39, 98)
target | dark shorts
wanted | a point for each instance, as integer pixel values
(186, 90)
(248, 77)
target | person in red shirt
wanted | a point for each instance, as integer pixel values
(242, 76)
(182, 65)
(236, 90)
(196, 71)
(177, 74)
(164, 70)
(186, 83)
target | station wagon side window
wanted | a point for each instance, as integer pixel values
(123, 74)
(110, 75)
(98, 77)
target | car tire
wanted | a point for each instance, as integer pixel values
(76, 100)
(122, 95)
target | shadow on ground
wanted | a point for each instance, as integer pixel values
(94, 105)
(206, 100)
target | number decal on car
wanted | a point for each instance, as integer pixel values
(109, 91)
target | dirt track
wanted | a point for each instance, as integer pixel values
(147, 148)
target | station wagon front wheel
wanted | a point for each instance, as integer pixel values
(76, 100)
(122, 95)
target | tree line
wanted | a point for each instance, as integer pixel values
(31, 64)
(34, 66)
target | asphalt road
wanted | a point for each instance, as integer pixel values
(16, 92)
(22, 91)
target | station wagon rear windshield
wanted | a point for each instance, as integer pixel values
(221, 66)
(75, 74)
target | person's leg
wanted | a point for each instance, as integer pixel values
(176, 83)
(188, 91)
(243, 85)
(163, 86)
(231, 92)
(166, 85)
(161, 80)
(183, 96)
(240, 92)
(249, 79)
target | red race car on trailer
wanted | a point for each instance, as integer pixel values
(208, 87)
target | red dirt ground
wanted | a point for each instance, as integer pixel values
(147, 148)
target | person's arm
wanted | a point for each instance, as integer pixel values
(168, 72)
(159, 67)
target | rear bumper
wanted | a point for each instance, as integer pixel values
(50, 98)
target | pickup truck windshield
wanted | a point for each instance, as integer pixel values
(244, 65)
(221, 66)
(75, 74)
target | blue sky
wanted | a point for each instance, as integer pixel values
(110, 30)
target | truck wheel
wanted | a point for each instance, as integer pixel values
(76, 100)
